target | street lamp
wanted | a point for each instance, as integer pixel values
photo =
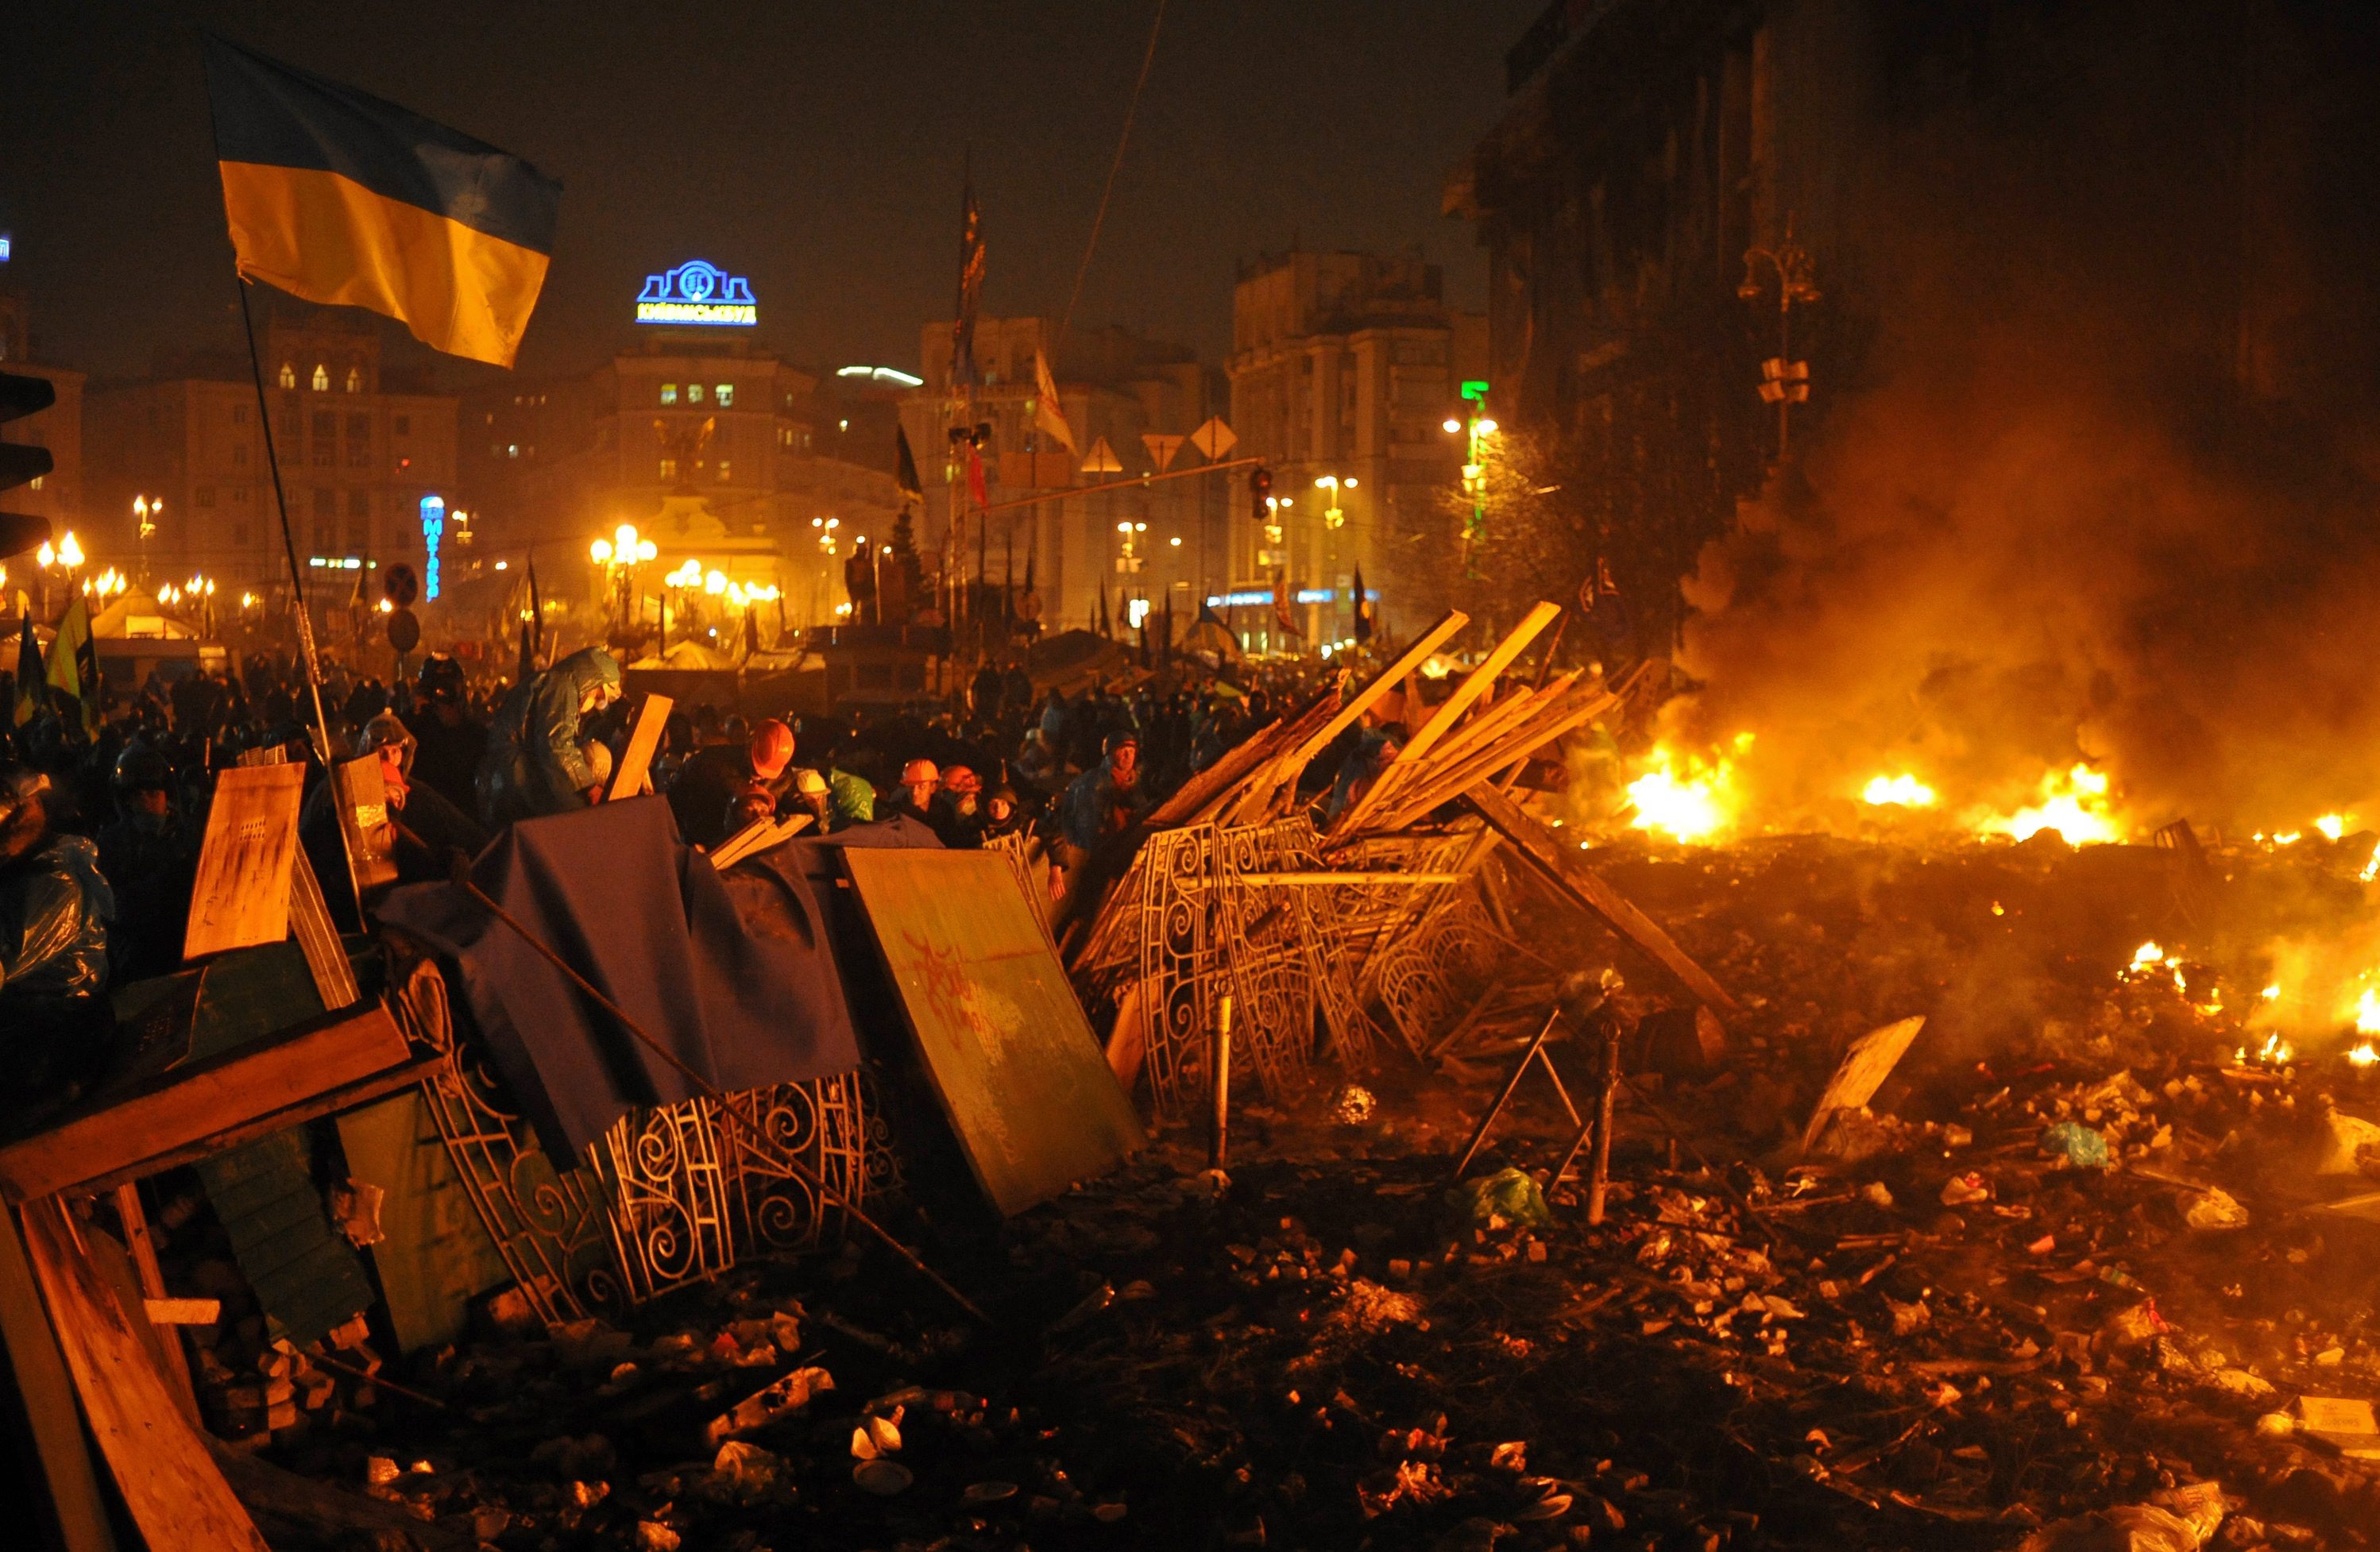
(1475, 470)
(1783, 381)
(1333, 517)
(144, 515)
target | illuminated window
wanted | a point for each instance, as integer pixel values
(694, 392)
(784, 436)
(37, 481)
(355, 380)
(724, 465)
(669, 392)
(288, 375)
(669, 468)
(725, 392)
(321, 378)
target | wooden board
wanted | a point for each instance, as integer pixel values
(171, 1486)
(306, 1275)
(1865, 1065)
(242, 893)
(362, 787)
(64, 1465)
(115, 1131)
(1557, 862)
(318, 937)
(437, 1256)
(1422, 740)
(635, 765)
(1005, 1042)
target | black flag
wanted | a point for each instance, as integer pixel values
(1363, 610)
(1105, 628)
(905, 466)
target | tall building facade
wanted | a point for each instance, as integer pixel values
(1110, 538)
(57, 495)
(360, 448)
(1344, 367)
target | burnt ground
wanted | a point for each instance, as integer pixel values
(1932, 1332)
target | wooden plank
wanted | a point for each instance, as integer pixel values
(346, 1097)
(318, 937)
(1441, 721)
(1349, 879)
(633, 775)
(306, 1275)
(1420, 798)
(1408, 662)
(182, 1311)
(757, 837)
(1559, 862)
(171, 1486)
(1230, 775)
(1494, 722)
(241, 896)
(201, 1100)
(46, 1391)
(142, 1247)
(1003, 1038)
(1861, 1071)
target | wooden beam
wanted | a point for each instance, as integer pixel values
(1324, 879)
(318, 937)
(241, 895)
(1557, 862)
(46, 1391)
(171, 1486)
(142, 1247)
(1408, 663)
(635, 774)
(757, 836)
(346, 1097)
(1441, 721)
(182, 1311)
(175, 1108)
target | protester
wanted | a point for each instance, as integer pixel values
(957, 812)
(919, 782)
(1103, 802)
(449, 741)
(55, 905)
(533, 763)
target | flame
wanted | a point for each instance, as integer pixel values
(2274, 1052)
(1688, 799)
(2332, 826)
(1900, 791)
(2146, 955)
(2073, 803)
(2363, 1055)
(2367, 1012)
(2371, 866)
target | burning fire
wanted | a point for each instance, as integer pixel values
(2332, 826)
(2363, 1055)
(2274, 1052)
(1686, 798)
(2073, 803)
(1898, 791)
(2367, 1012)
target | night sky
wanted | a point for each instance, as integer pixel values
(816, 147)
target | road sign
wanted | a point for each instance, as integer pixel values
(1102, 459)
(404, 630)
(1214, 439)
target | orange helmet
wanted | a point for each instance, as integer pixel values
(960, 779)
(920, 773)
(772, 748)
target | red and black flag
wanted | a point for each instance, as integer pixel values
(337, 197)
(1283, 620)
(1363, 609)
(904, 467)
(963, 367)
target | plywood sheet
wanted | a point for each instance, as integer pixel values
(437, 1257)
(1865, 1065)
(1005, 1042)
(242, 894)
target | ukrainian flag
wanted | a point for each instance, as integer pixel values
(337, 197)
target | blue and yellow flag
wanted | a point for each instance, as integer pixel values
(338, 197)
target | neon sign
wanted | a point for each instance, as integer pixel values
(698, 292)
(433, 528)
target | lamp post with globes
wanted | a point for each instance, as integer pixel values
(1481, 430)
(620, 556)
(145, 512)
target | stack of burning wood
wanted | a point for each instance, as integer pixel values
(1392, 910)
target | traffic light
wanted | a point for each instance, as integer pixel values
(1260, 494)
(20, 397)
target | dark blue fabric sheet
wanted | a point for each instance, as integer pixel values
(652, 922)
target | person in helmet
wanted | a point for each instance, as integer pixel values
(1004, 814)
(450, 741)
(416, 829)
(1104, 801)
(957, 812)
(534, 765)
(55, 906)
(713, 781)
(811, 795)
(915, 797)
(149, 854)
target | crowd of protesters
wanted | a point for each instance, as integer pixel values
(101, 825)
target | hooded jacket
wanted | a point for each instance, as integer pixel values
(533, 765)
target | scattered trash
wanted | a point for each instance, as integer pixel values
(1960, 1190)
(883, 1478)
(2076, 1143)
(1507, 1198)
(2214, 1210)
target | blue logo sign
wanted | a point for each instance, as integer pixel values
(433, 529)
(698, 292)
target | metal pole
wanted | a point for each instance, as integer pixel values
(288, 544)
(1220, 1078)
(1599, 1170)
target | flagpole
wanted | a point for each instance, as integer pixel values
(288, 544)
